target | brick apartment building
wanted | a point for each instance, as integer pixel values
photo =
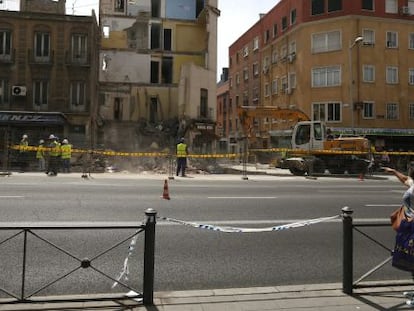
(48, 74)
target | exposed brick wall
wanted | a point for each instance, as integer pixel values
(43, 6)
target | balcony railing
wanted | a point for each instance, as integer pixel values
(40, 60)
(8, 58)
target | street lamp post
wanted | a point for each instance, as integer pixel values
(351, 78)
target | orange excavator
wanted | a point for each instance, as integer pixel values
(313, 149)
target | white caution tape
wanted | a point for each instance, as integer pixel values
(250, 230)
(125, 269)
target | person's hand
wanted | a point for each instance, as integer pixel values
(388, 169)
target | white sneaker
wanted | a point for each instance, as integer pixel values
(409, 295)
(410, 303)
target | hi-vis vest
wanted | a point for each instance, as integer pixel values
(55, 149)
(181, 150)
(40, 152)
(66, 151)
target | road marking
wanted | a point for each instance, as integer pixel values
(242, 198)
(11, 196)
(383, 205)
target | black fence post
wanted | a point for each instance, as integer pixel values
(347, 276)
(149, 251)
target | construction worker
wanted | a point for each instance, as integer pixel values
(40, 156)
(182, 152)
(23, 156)
(54, 156)
(66, 154)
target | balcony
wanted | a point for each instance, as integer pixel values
(72, 59)
(40, 60)
(8, 58)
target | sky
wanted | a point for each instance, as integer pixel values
(237, 16)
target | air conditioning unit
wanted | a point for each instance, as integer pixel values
(405, 10)
(18, 90)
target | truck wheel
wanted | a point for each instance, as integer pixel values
(319, 166)
(297, 172)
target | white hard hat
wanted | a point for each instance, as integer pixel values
(41, 141)
(24, 136)
(52, 136)
(65, 141)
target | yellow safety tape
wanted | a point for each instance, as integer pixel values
(223, 155)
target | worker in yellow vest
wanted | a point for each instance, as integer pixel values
(40, 155)
(66, 154)
(182, 152)
(54, 156)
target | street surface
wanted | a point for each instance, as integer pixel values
(190, 258)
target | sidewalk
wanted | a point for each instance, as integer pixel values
(316, 297)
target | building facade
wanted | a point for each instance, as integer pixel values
(48, 74)
(158, 73)
(349, 63)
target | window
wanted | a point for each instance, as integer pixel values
(118, 108)
(40, 94)
(391, 6)
(274, 86)
(392, 75)
(245, 51)
(283, 84)
(274, 30)
(411, 41)
(255, 43)
(317, 7)
(274, 57)
(5, 44)
(266, 36)
(392, 111)
(292, 80)
(204, 103)
(392, 39)
(79, 48)
(245, 98)
(167, 39)
(326, 76)
(411, 111)
(293, 17)
(77, 96)
(334, 5)
(255, 69)
(326, 42)
(368, 110)
(4, 92)
(119, 5)
(237, 79)
(245, 74)
(292, 47)
(330, 111)
(284, 23)
(368, 73)
(411, 76)
(369, 37)
(106, 29)
(267, 90)
(368, 5)
(42, 46)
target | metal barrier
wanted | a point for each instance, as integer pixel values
(348, 283)
(84, 263)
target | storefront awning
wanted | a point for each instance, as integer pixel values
(31, 118)
(373, 131)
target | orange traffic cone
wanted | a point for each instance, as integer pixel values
(165, 194)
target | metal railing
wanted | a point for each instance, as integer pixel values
(25, 231)
(348, 282)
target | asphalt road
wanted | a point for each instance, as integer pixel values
(193, 258)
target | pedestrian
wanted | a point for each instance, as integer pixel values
(401, 221)
(182, 153)
(40, 156)
(66, 155)
(23, 153)
(54, 156)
